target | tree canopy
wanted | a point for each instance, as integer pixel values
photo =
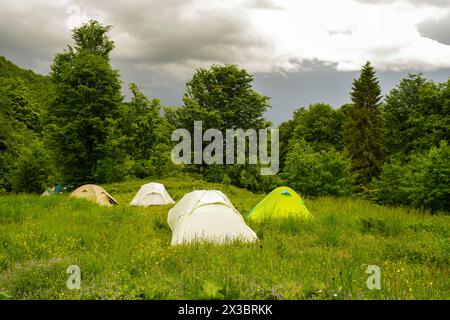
(223, 97)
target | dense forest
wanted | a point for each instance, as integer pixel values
(75, 126)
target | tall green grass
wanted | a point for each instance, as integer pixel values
(124, 252)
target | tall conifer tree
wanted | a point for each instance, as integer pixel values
(364, 134)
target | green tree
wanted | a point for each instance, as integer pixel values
(87, 97)
(139, 119)
(402, 103)
(147, 135)
(317, 173)
(416, 115)
(364, 134)
(319, 124)
(116, 163)
(223, 98)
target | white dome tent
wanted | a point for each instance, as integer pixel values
(207, 215)
(152, 194)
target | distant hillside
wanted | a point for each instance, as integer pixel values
(39, 86)
(24, 95)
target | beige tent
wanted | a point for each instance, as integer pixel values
(152, 194)
(207, 215)
(94, 193)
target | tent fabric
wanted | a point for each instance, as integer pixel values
(152, 194)
(48, 192)
(57, 188)
(94, 193)
(282, 202)
(207, 215)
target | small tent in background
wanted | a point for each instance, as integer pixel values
(282, 202)
(94, 193)
(151, 194)
(207, 215)
(57, 189)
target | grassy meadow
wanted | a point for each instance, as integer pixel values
(124, 252)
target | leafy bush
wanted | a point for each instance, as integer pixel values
(435, 179)
(161, 161)
(394, 185)
(7, 160)
(313, 173)
(110, 170)
(244, 176)
(32, 170)
(142, 169)
(423, 182)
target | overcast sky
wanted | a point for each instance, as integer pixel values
(299, 51)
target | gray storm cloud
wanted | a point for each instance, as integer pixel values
(437, 29)
(159, 43)
(176, 36)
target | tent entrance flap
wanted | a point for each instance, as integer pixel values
(94, 193)
(209, 216)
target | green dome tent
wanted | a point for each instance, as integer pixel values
(282, 202)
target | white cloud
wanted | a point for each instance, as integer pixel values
(348, 33)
